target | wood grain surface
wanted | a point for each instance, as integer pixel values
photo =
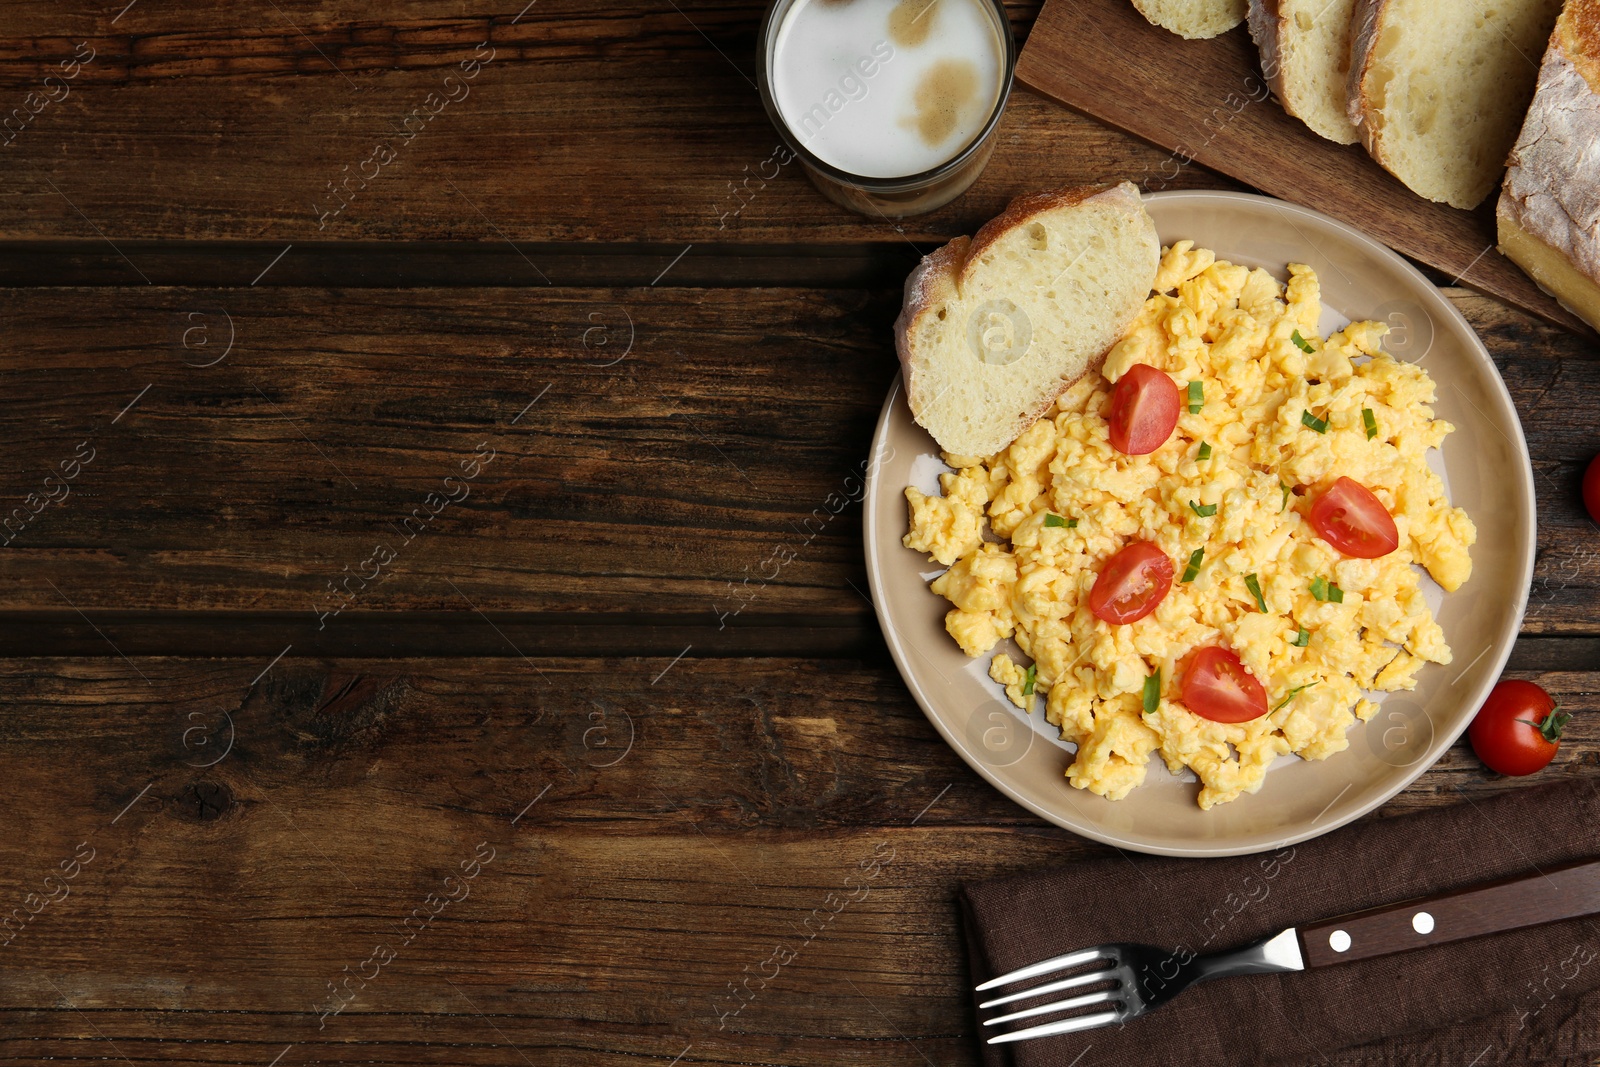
(651, 447)
(657, 830)
(615, 124)
(1207, 101)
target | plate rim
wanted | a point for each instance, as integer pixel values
(1436, 303)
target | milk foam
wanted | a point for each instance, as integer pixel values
(886, 88)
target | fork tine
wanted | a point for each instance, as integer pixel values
(1064, 1026)
(1055, 963)
(1060, 1005)
(1051, 987)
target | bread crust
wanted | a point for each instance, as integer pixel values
(938, 277)
(1365, 17)
(1024, 208)
(932, 280)
(1552, 184)
(1266, 29)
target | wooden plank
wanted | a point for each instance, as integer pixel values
(221, 900)
(1206, 100)
(188, 126)
(456, 264)
(624, 478)
(642, 486)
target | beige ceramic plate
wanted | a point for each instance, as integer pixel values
(1487, 471)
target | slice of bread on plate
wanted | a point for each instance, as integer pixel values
(997, 326)
(1305, 54)
(1549, 209)
(1194, 19)
(1438, 90)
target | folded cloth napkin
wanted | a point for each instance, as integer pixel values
(1529, 996)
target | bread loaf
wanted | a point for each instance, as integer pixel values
(1194, 19)
(1549, 209)
(994, 328)
(1438, 90)
(1305, 55)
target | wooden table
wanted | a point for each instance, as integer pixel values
(407, 490)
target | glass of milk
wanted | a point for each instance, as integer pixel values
(891, 105)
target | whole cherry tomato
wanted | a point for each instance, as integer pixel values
(1217, 687)
(1131, 583)
(1591, 489)
(1144, 410)
(1518, 729)
(1354, 521)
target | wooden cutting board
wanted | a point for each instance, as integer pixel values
(1206, 101)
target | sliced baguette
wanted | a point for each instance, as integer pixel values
(995, 327)
(1438, 90)
(1194, 19)
(1305, 54)
(1549, 210)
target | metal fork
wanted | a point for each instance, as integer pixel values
(1141, 978)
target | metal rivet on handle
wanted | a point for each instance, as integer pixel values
(1339, 941)
(1422, 922)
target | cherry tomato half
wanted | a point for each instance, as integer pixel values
(1354, 521)
(1591, 489)
(1131, 583)
(1518, 729)
(1144, 410)
(1217, 687)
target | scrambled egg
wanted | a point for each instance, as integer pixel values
(1061, 500)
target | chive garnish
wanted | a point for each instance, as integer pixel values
(1285, 506)
(1308, 419)
(1254, 585)
(1205, 451)
(1302, 638)
(1325, 591)
(1296, 691)
(1192, 571)
(1205, 511)
(1028, 677)
(1152, 692)
(1301, 343)
(1370, 421)
(1052, 519)
(1197, 397)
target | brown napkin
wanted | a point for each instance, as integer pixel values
(1530, 996)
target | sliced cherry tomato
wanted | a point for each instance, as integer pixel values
(1518, 729)
(1591, 489)
(1354, 521)
(1144, 410)
(1131, 583)
(1217, 687)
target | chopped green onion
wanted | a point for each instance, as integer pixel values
(1254, 585)
(1197, 397)
(1192, 571)
(1301, 343)
(1308, 419)
(1055, 520)
(1325, 591)
(1285, 497)
(1370, 422)
(1302, 638)
(1028, 677)
(1072, 524)
(1152, 692)
(1205, 511)
(1205, 451)
(1296, 691)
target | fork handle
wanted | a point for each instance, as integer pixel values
(1528, 900)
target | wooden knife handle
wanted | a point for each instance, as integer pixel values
(1511, 904)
